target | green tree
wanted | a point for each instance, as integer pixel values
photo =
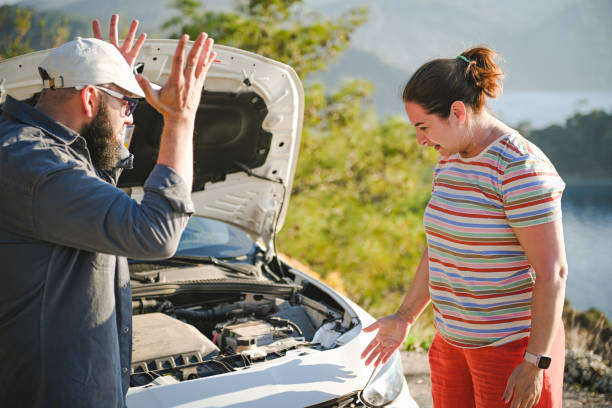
(278, 29)
(19, 20)
(24, 30)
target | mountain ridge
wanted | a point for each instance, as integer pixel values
(559, 46)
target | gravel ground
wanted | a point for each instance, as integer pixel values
(416, 371)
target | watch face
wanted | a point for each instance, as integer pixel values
(544, 362)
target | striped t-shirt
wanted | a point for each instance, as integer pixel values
(480, 281)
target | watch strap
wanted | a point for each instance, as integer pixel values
(540, 361)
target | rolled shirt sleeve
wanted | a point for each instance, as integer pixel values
(72, 208)
(164, 181)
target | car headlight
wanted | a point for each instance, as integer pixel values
(386, 384)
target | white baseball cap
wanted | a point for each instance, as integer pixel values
(88, 61)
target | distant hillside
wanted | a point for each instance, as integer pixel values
(546, 45)
(150, 13)
(582, 148)
(388, 81)
(568, 50)
(564, 45)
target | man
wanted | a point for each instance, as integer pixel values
(65, 229)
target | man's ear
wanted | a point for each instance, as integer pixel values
(90, 101)
(458, 113)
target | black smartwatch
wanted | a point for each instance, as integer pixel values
(542, 362)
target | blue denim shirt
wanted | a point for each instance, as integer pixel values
(65, 230)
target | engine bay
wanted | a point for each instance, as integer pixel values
(191, 335)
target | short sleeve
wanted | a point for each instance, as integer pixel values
(532, 191)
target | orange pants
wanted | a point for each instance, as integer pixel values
(468, 378)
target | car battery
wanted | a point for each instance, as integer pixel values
(245, 334)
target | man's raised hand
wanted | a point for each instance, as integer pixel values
(180, 97)
(128, 48)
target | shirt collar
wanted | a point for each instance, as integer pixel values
(32, 116)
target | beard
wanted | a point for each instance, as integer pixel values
(102, 142)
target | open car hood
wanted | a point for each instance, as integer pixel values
(246, 138)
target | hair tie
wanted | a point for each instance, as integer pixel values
(462, 57)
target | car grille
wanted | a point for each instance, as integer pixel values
(346, 401)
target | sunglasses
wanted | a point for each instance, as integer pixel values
(130, 105)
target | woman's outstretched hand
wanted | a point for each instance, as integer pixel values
(392, 330)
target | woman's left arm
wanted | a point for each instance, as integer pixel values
(545, 249)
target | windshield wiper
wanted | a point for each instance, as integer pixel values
(241, 268)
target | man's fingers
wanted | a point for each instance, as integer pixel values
(206, 66)
(177, 61)
(138, 45)
(206, 57)
(193, 58)
(130, 56)
(211, 59)
(97, 30)
(212, 55)
(151, 95)
(202, 65)
(129, 39)
(196, 50)
(113, 35)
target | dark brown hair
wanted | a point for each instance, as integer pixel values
(439, 83)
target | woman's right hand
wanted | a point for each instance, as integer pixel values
(392, 330)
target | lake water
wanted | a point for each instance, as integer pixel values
(587, 223)
(544, 108)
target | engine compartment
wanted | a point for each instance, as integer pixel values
(189, 336)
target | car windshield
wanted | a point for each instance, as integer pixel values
(206, 237)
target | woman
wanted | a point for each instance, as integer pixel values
(495, 266)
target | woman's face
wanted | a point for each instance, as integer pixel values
(432, 130)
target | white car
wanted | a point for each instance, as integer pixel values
(226, 322)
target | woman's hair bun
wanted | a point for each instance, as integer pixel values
(483, 71)
(470, 78)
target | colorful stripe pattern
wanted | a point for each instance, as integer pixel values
(480, 281)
